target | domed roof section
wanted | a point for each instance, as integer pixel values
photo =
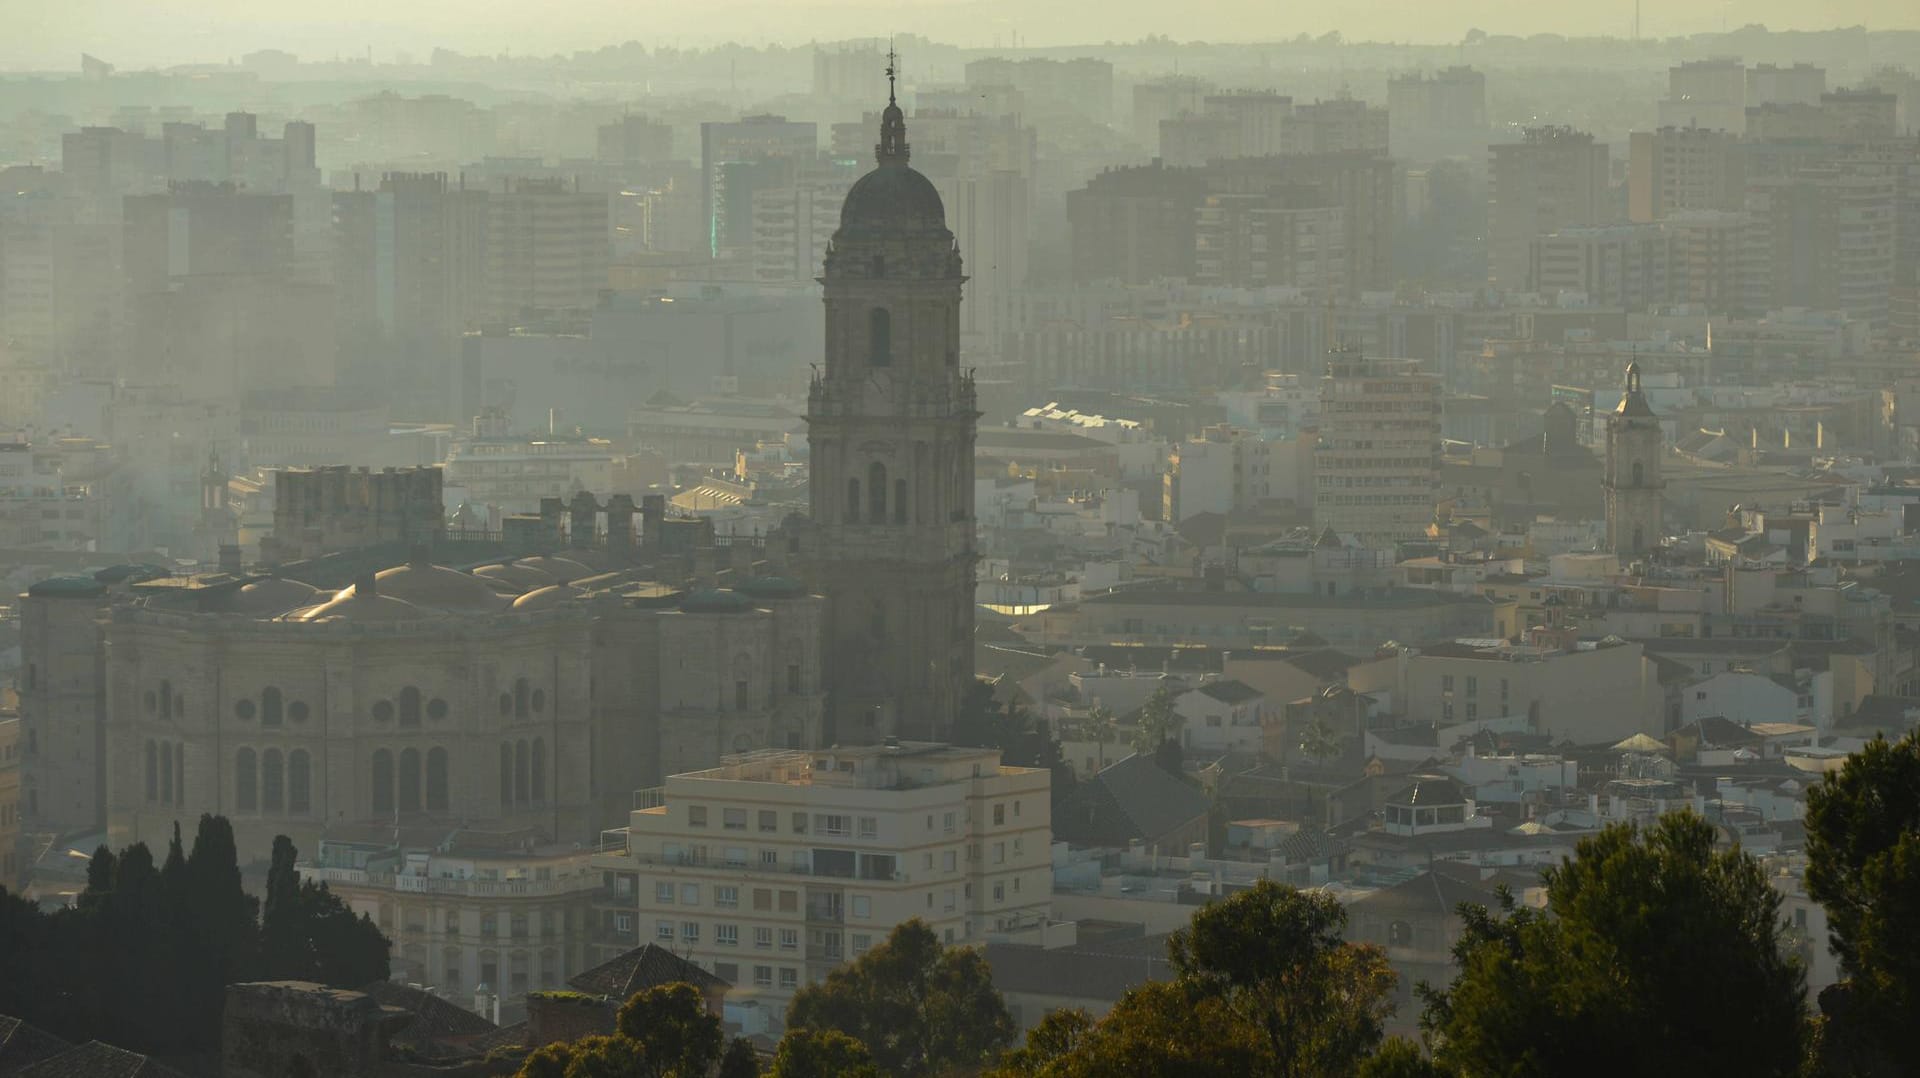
(892, 200)
(561, 570)
(515, 577)
(716, 601)
(67, 587)
(546, 598)
(439, 588)
(272, 595)
(349, 605)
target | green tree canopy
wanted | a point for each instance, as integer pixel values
(1159, 722)
(308, 934)
(918, 1006)
(1656, 955)
(1863, 866)
(740, 1060)
(821, 1053)
(676, 1033)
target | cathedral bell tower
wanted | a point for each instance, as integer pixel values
(890, 421)
(1632, 478)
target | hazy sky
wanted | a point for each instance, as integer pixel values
(139, 33)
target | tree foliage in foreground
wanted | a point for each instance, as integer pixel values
(1863, 866)
(662, 1032)
(1657, 954)
(143, 959)
(1264, 986)
(918, 1006)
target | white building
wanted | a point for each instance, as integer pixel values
(773, 868)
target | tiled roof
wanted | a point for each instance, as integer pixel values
(433, 1018)
(1132, 799)
(642, 968)
(96, 1060)
(1230, 692)
(1099, 971)
(22, 1045)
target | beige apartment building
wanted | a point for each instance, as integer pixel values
(775, 867)
(1377, 464)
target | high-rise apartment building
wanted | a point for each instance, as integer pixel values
(793, 223)
(1612, 265)
(1678, 169)
(1377, 462)
(199, 229)
(1709, 263)
(1554, 178)
(634, 140)
(1860, 115)
(1258, 120)
(1258, 241)
(1342, 124)
(1166, 98)
(776, 867)
(733, 157)
(1771, 84)
(1706, 93)
(547, 247)
(1435, 116)
(1825, 236)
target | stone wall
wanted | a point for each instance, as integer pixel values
(274, 1029)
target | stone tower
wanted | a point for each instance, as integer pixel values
(891, 422)
(1632, 478)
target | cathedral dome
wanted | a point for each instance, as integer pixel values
(272, 595)
(546, 598)
(440, 588)
(893, 199)
(348, 604)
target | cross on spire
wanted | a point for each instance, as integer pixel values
(893, 70)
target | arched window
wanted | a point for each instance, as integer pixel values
(273, 790)
(1639, 473)
(899, 501)
(153, 772)
(877, 492)
(539, 770)
(166, 772)
(166, 699)
(853, 501)
(382, 782)
(409, 706)
(245, 792)
(180, 775)
(520, 698)
(410, 780)
(1639, 538)
(522, 775)
(270, 707)
(299, 783)
(506, 775)
(879, 337)
(436, 779)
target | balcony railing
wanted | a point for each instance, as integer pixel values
(460, 888)
(784, 868)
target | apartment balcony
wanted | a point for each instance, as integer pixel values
(454, 888)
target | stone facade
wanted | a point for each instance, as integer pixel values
(62, 706)
(891, 420)
(317, 511)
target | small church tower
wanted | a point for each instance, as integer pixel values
(1632, 477)
(891, 421)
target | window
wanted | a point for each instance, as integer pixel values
(799, 823)
(763, 938)
(770, 858)
(506, 775)
(999, 892)
(663, 931)
(1016, 808)
(153, 772)
(862, 942)
(789, 977)
(727, 898)
(1473, 711)
(947, 823)
(853, 501)
(869, 827)
(948, 859)
(410, 780)
(696, 815)
(735, 856)
(245, 792)
(726, 935)
(837, 826)
(521, 772)
(436, 779)
(948, 901)
(999, 815)
(690, 931)
(999, 853)
(663, 892)
(489, 925)
(272, 782)
(733, 819)
(763, 976)
(689, 894)
(517, 925)
(382, 782)
(877, 493)
(270, 709)
(879, 337)
(763, 899)
(1473, 686)
(789, 902)
(769, 821)
(789, 939)
(539, 770)
(1446, 682)
(409, 706)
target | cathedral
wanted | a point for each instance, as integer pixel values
(891, 422)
